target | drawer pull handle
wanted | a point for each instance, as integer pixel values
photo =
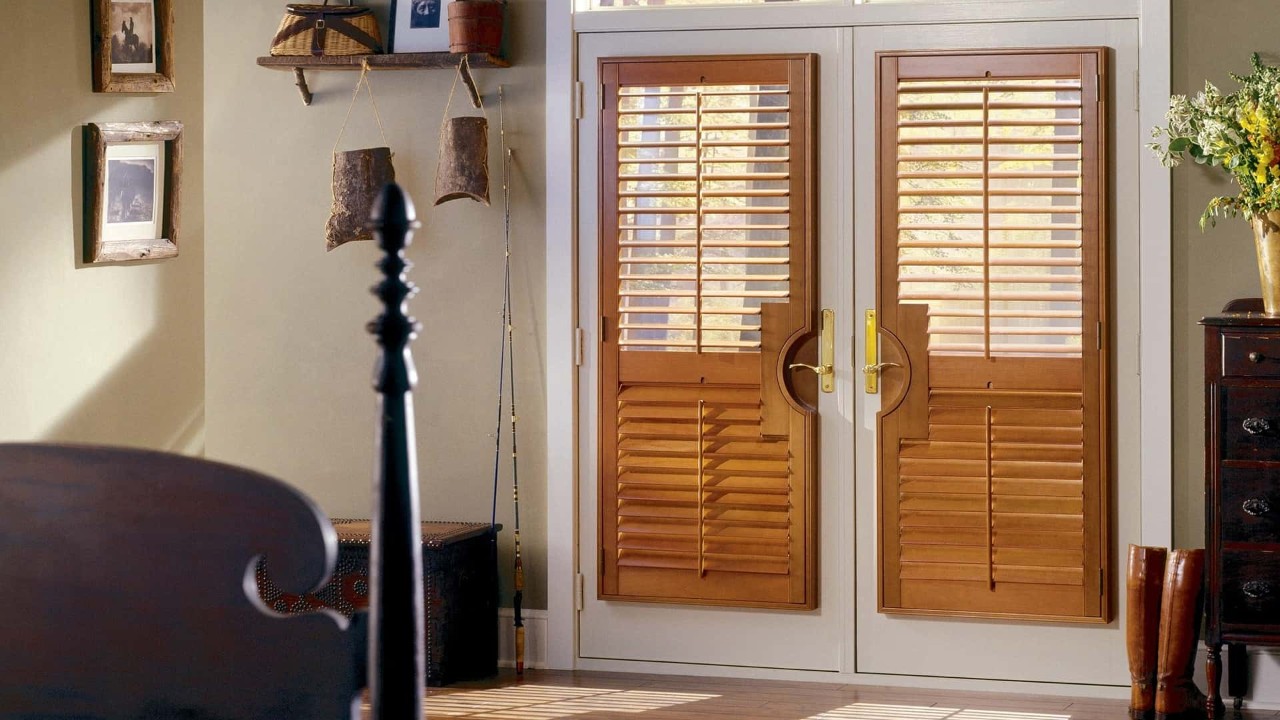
(1256, 426)
(1256, 589)
(1256, 507)
(1256, 357)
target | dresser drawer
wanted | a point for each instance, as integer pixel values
(1250, 419)
(1250, 588)
(1250, 505)
(1250, 355)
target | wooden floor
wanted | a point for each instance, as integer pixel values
(547, 695)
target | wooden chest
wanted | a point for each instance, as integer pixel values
(1242, 490)
(460, 593)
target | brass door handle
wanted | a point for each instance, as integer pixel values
(825, 369)
(871, 354)
(820, 370)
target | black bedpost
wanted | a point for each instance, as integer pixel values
(396, 666)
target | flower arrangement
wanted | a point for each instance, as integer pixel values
(1239, 133)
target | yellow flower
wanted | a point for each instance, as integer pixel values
(1265, 154)
(1255, 122)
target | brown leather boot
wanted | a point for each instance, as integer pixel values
(1142, 626)
(1177, 696)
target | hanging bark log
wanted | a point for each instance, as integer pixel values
(463, 170)
(358, 178)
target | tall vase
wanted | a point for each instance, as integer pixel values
(1266, 234)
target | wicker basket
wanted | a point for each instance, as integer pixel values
(324, 30)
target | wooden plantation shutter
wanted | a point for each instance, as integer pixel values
(706, 294)
(992, 282)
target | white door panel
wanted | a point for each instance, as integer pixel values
(816, 640)
(949, 647)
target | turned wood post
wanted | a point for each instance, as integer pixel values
(396, 663)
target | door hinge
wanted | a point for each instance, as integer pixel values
(602, 96)
(1102, 582)
(579, 592)
(1099, 334)
(579, 346)
(1097, 88)
(1137, 91)
(577, 100)
(602, 561)
(604, 329)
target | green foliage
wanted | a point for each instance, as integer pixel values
(1239, 133)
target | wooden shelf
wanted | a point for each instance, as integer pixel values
(299, 64)
(391, 61)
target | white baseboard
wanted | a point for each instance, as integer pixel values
(868, 679)
(1264, 670)
(535, 638)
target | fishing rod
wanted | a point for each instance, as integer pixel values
(508, 344)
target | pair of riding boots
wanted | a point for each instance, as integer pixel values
(1163, 631)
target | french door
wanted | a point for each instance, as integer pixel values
(707, 251)
(846, 632)
(974, 474)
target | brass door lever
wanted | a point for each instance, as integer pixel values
(819, 369)
(825, 369)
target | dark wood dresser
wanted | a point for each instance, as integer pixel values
(1242, 491)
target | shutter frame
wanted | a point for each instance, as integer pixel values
(624, 372)
(946, 70)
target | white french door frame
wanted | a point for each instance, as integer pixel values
(563, 340)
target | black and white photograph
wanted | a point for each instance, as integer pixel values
(419, 26)
(131, 191)
(132, 46)
(133, 33)
(133, 176)
(426, 14)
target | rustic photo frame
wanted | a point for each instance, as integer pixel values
(418, 26)
(143, 48)
(132, 187)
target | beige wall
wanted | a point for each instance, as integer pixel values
(102, 354)
(289, 360)
(1215, 266)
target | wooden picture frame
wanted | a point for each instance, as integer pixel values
(132, 46)
(132, 187)
(418, 26)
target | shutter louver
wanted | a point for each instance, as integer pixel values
(705, 172)
(704, 180)
(989, 187)
(991, 226)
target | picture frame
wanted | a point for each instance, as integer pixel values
(418, 26)
(132, 46)
(132, 188)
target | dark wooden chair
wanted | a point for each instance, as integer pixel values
(126, 576)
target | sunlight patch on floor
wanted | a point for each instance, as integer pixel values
(547, 702)
(870, 711)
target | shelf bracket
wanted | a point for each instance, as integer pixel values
(300, 76)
